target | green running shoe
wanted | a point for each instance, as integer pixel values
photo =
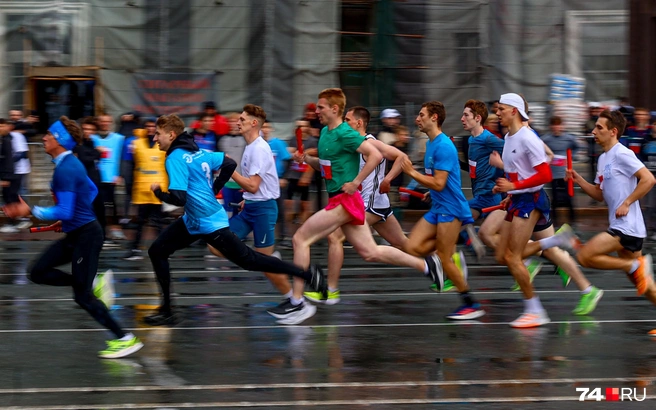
(588, 302)
(103, 288)
(534, 267)
(329, 298)
(461, 263)
(563, 276)
(120, 348)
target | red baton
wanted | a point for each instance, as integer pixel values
(52, 227)
(491, 209)
(570, 182)
(411, 192)
(299, 140)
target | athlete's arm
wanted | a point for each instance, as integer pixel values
(308, 159)
(549, 152)
(374, 157)
(250, 184)
(175, 197)
(645, 183)
(542, 176)
(593, 190)
(227, 168)
(495, 160)
(437, 182)
(392, 154)
(64, 210)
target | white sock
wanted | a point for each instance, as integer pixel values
(550, 242)
(288, 295)
(634, 266)
(533, 305)
(426, 270)
(586, 290)
(127, 337)
(332, 289)
(295, 301)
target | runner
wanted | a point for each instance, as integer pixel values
(339, 162)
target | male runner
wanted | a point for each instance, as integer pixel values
(261, 191)
(74, 193)
(440, 227)
(190, 172)
(339, 162)
(621, 180)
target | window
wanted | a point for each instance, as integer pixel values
(468, 68)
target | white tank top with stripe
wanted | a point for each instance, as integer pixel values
(373, 199)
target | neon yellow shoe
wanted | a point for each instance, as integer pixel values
(329, 298)
(120, 348)
(534, 267)
(459, 259)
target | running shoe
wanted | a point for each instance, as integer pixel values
(162, 319)
(133, 255)
(103, 288)
(644, 276)
(563, 276)
(298, 316)
(467, 312)
(652, 333)
(567, 238)
(461, 264)
(534, 266)
(528, 320)
(435, 270)
(318, 281)
(588, 302)
(328, 298)
(120, 348)
(283, 309)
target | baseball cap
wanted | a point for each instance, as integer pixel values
(389, 113)
(516, 101)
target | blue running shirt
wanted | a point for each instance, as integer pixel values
(442, 155)
(193, 172)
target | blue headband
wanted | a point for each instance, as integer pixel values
(61, 135)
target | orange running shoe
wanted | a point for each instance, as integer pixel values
(644, 275)
(528, 320)
(652, 333)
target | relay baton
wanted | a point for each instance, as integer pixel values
(411, 192)
(299, 140)
(570, 182)
(491, 208)
(47, 228)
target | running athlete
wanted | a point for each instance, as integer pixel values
(190, 172)
(440, 227)
(339, 162)
(261, 191)
(621, 180)
(74, 193)
(525, 164)
(379, 213)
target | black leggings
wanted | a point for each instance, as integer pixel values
(107, 195)
(176, 237)
(145, 212)
(82, 247)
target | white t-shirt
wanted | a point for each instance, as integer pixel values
(258, 160)
(19, 144)
(521, 153)
(616, 177)
(373, 199)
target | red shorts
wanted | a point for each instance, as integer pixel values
(353, 204)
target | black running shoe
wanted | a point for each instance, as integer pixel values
(284, 309)
(162, 319)
(435, 270)
(318, 281)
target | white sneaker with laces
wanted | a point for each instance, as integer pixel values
(528, 320)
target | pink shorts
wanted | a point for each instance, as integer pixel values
(353, 204)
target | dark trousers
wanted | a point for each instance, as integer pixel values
(81, 247)
(106, 193)
(10, 193)
(176, 237)
(560, 197)
(145, 212)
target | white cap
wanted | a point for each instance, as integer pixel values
(594, 104)
(516, 101)
(389, 113)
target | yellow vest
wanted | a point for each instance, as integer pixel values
(148, 169)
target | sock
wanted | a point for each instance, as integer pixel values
(295, 301)
(426, 270)
(127, 337)
(634, 266)
(467, 298)
(332, 289)
(550, 242)
(288, 295)
(586, 290)
(533, 305)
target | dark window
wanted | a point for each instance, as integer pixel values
(468, 67)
